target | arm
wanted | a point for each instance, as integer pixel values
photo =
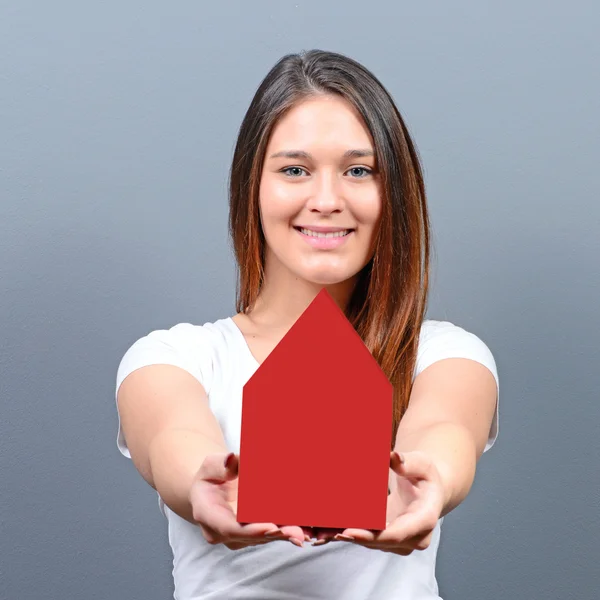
(169, 428)
(449, 416)
(170, 431)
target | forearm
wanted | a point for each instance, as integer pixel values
(453, 452)
(175, 456)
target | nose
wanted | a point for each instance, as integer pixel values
(326, 198)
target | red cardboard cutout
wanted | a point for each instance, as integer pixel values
(316, 429)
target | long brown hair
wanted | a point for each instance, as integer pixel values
(389, 301)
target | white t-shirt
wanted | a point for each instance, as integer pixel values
(218, 356)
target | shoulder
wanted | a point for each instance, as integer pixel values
(444, 339)
(181, 337)
(189, 346)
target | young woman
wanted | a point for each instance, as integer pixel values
(326, 190)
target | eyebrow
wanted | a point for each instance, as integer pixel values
(302, 154)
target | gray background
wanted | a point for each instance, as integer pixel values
(118, 121)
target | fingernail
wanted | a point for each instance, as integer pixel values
(273, 532)
(345, 538)
(231, 462)
(321, 542)
(395, 456)
(296, 542)
(307, 538)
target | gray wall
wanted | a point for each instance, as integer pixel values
(118, 121)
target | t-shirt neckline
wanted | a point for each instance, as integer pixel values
(242, 341)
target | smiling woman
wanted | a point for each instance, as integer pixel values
(326, 191)
(325, 118)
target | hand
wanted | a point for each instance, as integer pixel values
(213, 496)
(414, 506)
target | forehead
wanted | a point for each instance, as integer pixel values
(327, 120)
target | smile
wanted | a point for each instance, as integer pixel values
(325, 240)
(320, 234)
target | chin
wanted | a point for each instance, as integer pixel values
(326, 277)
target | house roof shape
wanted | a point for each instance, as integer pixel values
(316, 428)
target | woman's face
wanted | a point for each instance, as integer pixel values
(320, 200)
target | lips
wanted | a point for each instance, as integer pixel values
(324, 238)
(316, 230)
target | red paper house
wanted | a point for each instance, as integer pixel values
(316, 429)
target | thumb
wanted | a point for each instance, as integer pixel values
(219, 468)
(410, 464)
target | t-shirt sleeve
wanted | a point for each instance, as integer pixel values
(184, 345)
(442, 339)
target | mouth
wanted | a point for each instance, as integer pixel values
(325, 232)
(324, 238)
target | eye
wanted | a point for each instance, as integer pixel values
(364, 169)
(290, 168)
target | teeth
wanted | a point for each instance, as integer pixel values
(325, 235)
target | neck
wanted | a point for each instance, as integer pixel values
(284, 297)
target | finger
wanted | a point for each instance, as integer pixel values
(259, 531)
(358, 535)
(324, 535)
(410, 464)
(219, 468)
(356, 540)
(253, 537)
(304, 534)
(217, 519)
(213, 536)
(210, 535)
(407, 527)
(236, 545)
(420, 542)
(294, 531)
(369, 539)
(416, 543)
(215, 513)
(251, 534)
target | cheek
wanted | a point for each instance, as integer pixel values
(368, 212)
(277, 202)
